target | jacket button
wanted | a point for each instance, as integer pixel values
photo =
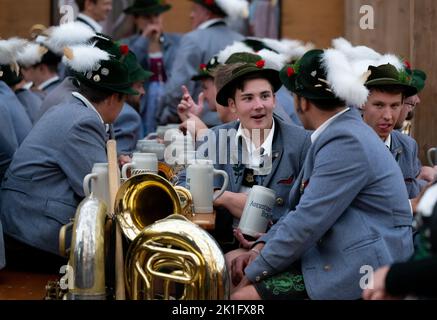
(280, 202)
(265, 273)
(258, 279)
(327, 268)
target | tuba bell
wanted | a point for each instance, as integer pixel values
(173, 254)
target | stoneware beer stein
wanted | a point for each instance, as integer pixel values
(97, 182)
(432, 156)
(258, 211)
(200, 182)
(141, 163)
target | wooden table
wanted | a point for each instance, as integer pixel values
(16, 285)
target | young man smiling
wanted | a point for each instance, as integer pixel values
(254, 149)
(381, 112)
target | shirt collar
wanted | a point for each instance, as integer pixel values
(250, 146)
(207, 24)
(326, 124)
(88, 104)
(93, 23)
(388, 142)
(47, 83)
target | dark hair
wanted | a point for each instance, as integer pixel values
(81, 4)
(390, 89)
(325, 104)
(96, 95)
(251, 76)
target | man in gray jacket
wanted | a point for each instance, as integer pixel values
(156, 50)
(351, 212)
(209, 36)
(44, 184)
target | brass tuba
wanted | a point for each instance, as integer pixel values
(166, 248)
(147, 198)
(173, 254)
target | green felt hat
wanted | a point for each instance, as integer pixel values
(136, 72)
(110, 74)
(307, 77)
(417, 76)
(240, 65)
(206, 70)
(10, 77)
(387, 74)
(147, 7)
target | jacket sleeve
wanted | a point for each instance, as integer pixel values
(184, 68)
(127, 128)
(336, 179)
(83, 147)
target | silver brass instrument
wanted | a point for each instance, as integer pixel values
(87, 255)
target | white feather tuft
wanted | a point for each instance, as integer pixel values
(273, 60)
(355, 52)
(237, 46)
(346, 84)
(392, 59)
(9, 49)
(31, 55)
(85, 58)
(66, 35)
(234, 8)
(291, 49)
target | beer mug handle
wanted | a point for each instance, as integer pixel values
(86, 183)
(429, 154)
(125, 168)
(225, 183)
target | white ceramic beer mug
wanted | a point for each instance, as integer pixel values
(200, 182)
(97, 182)
(432, 157)
(141, 163)
(151, 146)
(258, 211)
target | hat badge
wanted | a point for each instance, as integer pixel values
(105, 72)
(96, 78)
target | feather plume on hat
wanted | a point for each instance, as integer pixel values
(355, 52)
(361, 57)
(346, 83)
(9, 49)
(66, 35)
(292, 49)
(273, 60)
(84, 58)
(31, 55)
(234, 8)
(237, 46)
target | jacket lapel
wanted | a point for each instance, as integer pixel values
(277, 151)
(396, 148)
